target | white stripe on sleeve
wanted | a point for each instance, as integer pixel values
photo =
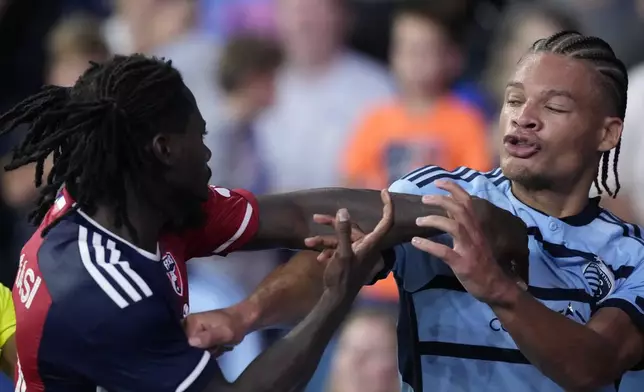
(242, 228)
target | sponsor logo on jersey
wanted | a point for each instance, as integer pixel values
(600, 279)
(172, 270)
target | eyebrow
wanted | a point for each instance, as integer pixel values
(547, 93)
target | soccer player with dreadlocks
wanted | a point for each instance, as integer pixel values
(127, 202)
(464, 325)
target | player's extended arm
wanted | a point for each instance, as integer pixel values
(9, 357)
(289, 364)
(285, 219)
(577, 357)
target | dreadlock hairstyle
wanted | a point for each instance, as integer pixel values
(97, 131)
(613, 77)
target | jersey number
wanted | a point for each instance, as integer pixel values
(27, 283)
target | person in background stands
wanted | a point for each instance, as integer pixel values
(426, 124)
(246, 75)
(365, 359)
(322, 89)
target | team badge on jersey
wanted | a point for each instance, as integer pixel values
(172, 270)
(600, 279)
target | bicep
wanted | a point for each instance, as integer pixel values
(619, 330)
(143, 348)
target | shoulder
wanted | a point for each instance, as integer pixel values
(420, 181)
(366, 72)
(624, 237)
(90, 273)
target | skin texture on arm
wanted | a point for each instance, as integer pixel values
(577, 357)
(289, 364)
(285, 219)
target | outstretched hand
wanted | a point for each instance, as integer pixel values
(471, 258)
(357, 236)
(355, 255)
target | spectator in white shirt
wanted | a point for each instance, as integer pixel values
(321, 91)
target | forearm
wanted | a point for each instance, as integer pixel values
(286, 219)
(571, 354)
(286, 295)
(289, 364)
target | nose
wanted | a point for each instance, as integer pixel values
(527, 119)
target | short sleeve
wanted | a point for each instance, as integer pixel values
(629, 296)
(232, 219)
(142, 348)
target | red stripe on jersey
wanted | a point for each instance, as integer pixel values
(32, 301)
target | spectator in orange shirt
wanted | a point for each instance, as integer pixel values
(426, 124)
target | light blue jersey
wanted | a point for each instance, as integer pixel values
(449, 341)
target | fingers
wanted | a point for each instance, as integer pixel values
(343, 231)
(383, 226)
(324, 219)
(459, 194)
(321, 242)
(447, 225)
(447, 254)
(325, 255)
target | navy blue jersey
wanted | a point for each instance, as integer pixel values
(95, 312)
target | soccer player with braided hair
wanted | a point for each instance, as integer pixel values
(464, 324)
(101, 288)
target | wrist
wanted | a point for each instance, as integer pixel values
(507, 296)
(249, 314)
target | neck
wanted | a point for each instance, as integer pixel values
(146, 221)
(418, 103)
(563, 202)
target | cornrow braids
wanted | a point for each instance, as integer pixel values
(613, 77)
(97, 131)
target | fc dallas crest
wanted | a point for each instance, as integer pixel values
(172, 270)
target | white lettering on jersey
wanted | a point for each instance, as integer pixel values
(27, 282)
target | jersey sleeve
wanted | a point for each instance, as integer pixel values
(629, 295)
(232, 219)
(140, 348)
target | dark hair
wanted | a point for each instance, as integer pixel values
(450, 16)
(613, 79)
(245, 56)
(97, 131)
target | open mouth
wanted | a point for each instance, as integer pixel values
(521, 146)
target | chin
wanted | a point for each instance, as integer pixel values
(522, 174)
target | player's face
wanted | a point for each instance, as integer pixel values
(553, 123)
(187, 173)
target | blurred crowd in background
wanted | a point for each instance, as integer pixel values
(315, 93)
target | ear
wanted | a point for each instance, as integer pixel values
(162, 149)
(611, 134)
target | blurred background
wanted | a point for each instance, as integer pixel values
(314, 93)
